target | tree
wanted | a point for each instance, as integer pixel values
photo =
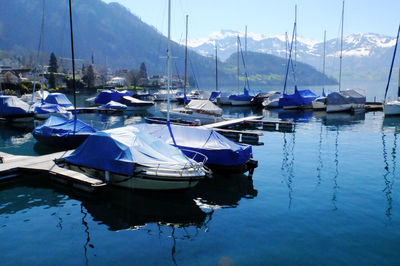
(52, 80)
(89, 77)
(143, 71)
(133, 77)
(53, 67)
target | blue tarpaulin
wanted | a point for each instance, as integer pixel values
(298, 98)
(214, 95)
(218, 149)
(245, 96)
(345, 97)
(62, 127)
(107, 96)
(11, 105)
(48, 108)
(60, 99)
(118, 150)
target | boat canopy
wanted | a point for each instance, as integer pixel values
(107, 96)
(62, 127)
(118, 150)
(245, 96)
(218, 149)
(11, 105)
(298, 98)
(205, 106)
(45, 108)
(113, 105)
(60, 99)
(345, 97)
(214, 95)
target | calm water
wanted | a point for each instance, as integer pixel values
(325, 194)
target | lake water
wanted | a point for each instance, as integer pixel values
(327, 193)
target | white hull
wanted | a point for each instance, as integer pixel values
(149, 178)
(348, 107)
(392, 108)
(317, 105)
(192, 116)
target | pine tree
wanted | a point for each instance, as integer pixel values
(53, 67)
(89, 77)
(143, 71)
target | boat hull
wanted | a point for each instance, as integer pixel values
(69, 142)
(194, 116)
(240, 103)
(391, 108)
(147, 179)
(317, 105)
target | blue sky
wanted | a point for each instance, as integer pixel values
(270, 17)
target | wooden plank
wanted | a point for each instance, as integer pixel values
(231, 122)
(255, 133)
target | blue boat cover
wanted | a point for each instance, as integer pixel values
(245, 96)
(214, 95)
(107, 96)
(62, 127)
(345, 97)
(46, 108)
(113, 105)
(60, 99)
(11, 105)
(298, 98)
(218, 149)
(117, 150)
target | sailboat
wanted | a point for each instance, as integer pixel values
(348, 100)
(59, 131)
(245, 97)
(300, 99)
(393, 107)
(203, 111)
(203, 145)
(320, 102)
(13, 109)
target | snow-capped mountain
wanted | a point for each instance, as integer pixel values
(366, 51)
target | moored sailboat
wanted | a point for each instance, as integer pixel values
(393, 107)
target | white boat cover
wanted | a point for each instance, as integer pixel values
(204, 105)
(118, 150)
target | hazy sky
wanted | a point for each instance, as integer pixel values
(270, 17)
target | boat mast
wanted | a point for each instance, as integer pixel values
(391, 67)
(245, 43)
(238, 60)
(168, 57)
(295, 44)
(341, 49)
(216, 66)
(186, 53)
(323, 66)
(73, 57)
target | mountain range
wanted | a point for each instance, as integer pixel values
(116, 38)
(365, 56)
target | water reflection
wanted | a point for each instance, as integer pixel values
(241, 111)
(335, 177)
(11, 135)
(223, 191)
(287, 166)
(334, 120)
(390, 125)
(295, 115)
(320, 163)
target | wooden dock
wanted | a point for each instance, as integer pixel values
(373, 106)
(232, 122)
(13, 165)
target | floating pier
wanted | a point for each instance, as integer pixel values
(14, 165)
(252, 137)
